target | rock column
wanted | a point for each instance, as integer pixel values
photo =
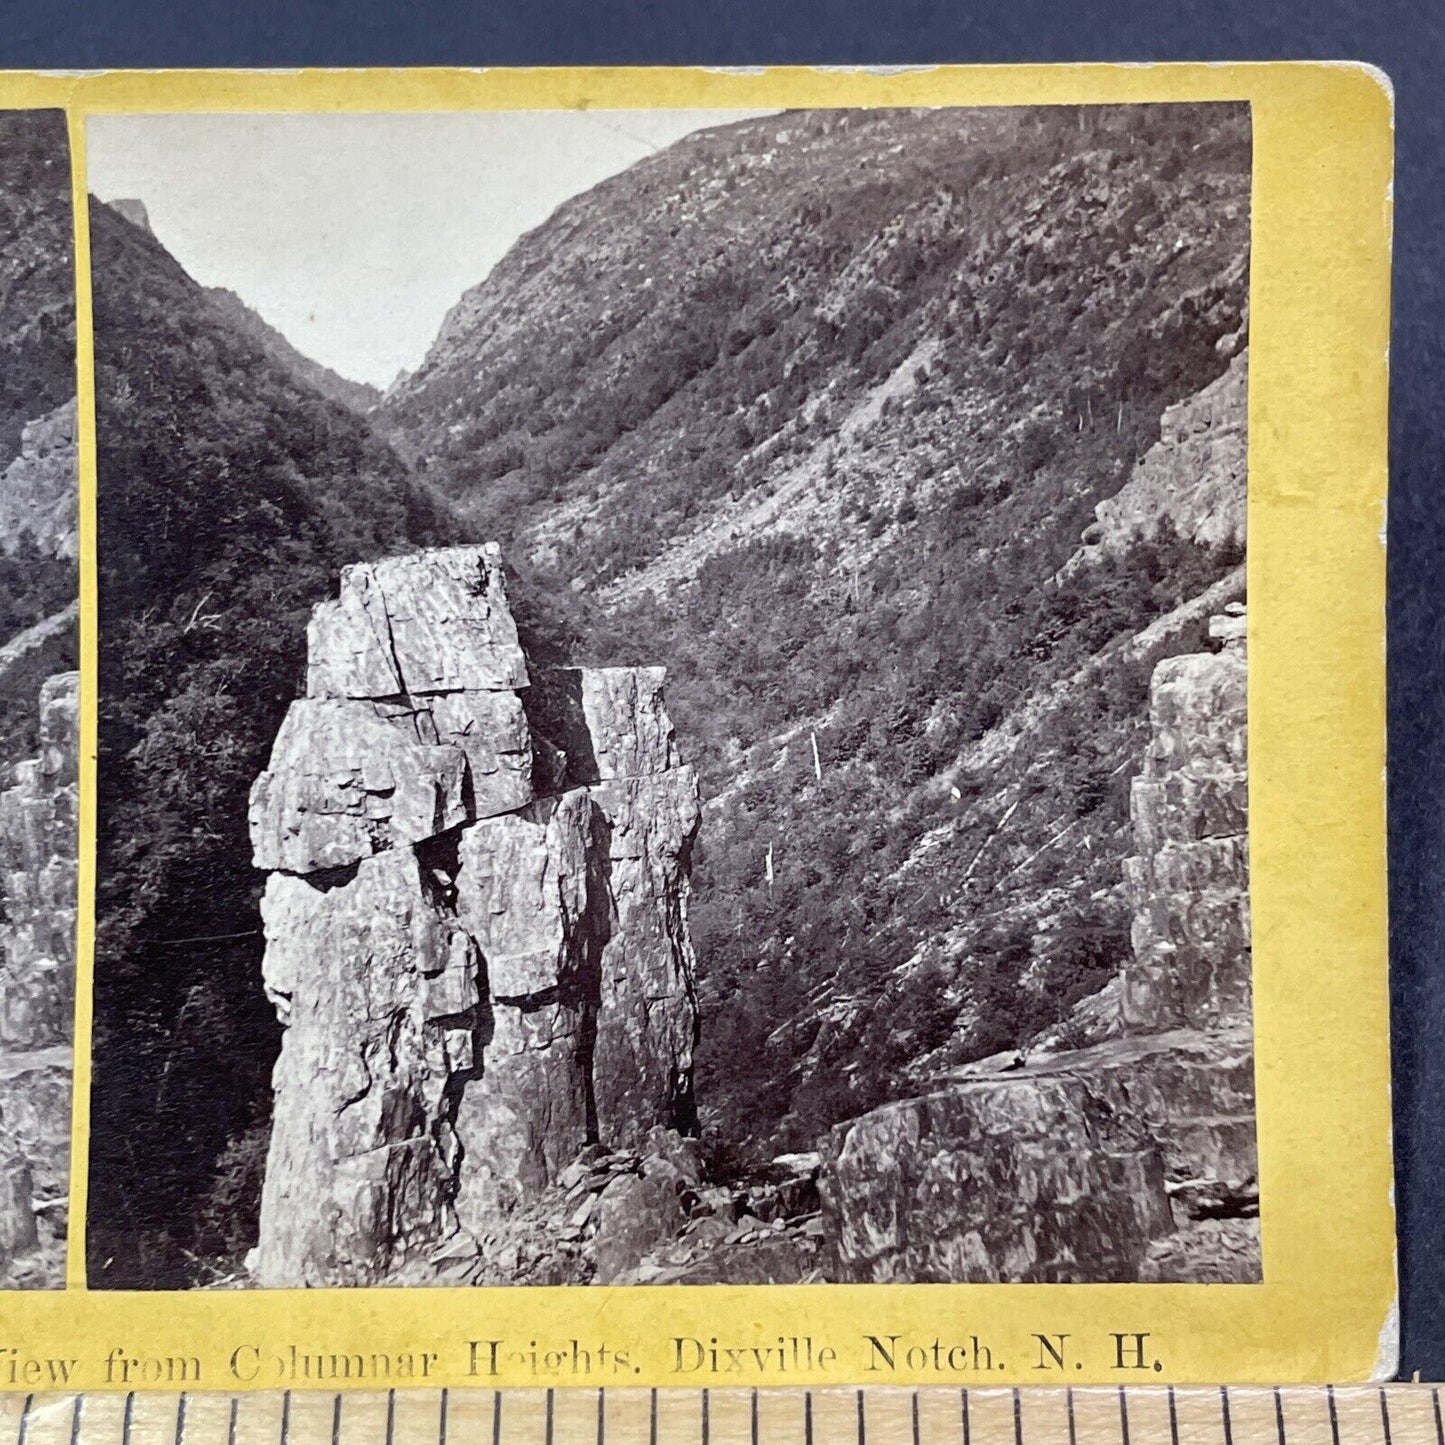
(476, 928)
(1189, 881)
(1134, 1158)
(37, 994)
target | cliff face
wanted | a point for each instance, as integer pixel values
(1192, 478)
(37, 994)
(1189, 881)
(1133, 1158)
(476, 924)
(38, 489)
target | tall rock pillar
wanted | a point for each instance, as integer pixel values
(476, 928)
(1189, 881)
(37, 994)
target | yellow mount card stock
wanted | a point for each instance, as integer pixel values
(694, 728)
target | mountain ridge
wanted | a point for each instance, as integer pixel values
(230, 493)
(797, 406)
(357, 396)
(816, 410)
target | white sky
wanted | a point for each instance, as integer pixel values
(353, 234)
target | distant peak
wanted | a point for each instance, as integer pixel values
(134, 211)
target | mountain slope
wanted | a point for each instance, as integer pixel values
(815, 409)
(230, 495)
(355, 395)
(37, 277)
(37, 408)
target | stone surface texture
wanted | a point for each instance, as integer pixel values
(476, 929)
(1193, 478)
(1131, 1159)
(1189, 881)
(37, 994)
(37, 489)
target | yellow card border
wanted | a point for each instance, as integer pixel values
(1319, 291)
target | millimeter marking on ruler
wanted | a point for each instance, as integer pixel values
(1081, 1415)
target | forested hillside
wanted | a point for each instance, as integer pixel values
(230, 495)
(37, 282)
(37, 378)
(815, 409)
(355, 395)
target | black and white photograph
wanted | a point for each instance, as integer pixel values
(39, 711)
(672, 698)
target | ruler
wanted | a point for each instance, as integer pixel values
(1185, 1415)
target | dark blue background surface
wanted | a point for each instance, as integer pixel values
(1406, 39)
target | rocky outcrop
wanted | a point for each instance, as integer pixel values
(134, 211)
(476, 928)
(648, 1216)
(1131, 1159)
(37, 489)
(37, 994)
(1189, 881)
(1193, 478)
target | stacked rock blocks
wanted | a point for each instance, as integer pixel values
(476, 922)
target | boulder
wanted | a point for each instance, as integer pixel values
(428, 622)
(1013, 1179)
(638, 1213)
